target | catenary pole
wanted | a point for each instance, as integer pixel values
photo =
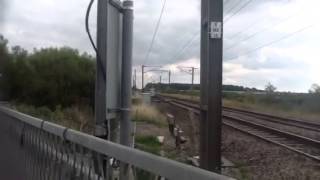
(169, 74)
(142, 78)
(126, 129)
(203, 85)
(211, 57)
(192, 80)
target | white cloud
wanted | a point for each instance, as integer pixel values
(291, 64)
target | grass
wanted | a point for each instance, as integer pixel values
(76, 117)
(301, 106)
(148, 114)
(149, 144)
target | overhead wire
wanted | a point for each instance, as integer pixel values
(233, 7)
(245, 29)
(266, 28)
(237, 11)
(188, 43)
(273, 42)
(185, 46)
(155, 32)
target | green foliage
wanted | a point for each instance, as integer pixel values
(315, 89)
(270, 88)
(186, 88)
(49, 77)
(78, 118)
(149, 144)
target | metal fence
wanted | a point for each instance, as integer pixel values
(50, 151)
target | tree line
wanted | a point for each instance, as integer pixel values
(46, 77)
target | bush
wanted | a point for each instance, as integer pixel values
(79, 118)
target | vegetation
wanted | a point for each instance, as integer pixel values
(269, 89)
(148, 114)
(315, 89)
(47, 77)
(76, 117)
(295, 105)
(177, 87)
(149, 144)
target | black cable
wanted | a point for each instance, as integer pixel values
(236, 12)
(273, 42)
(99, 61)
(100, 64)
(155, 32)
(266, 28)
(185, 46)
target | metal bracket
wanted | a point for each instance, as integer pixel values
(41, 125)
(118, 110)
(22, 134)
(117, 4)
(128, 4)
(64, 134)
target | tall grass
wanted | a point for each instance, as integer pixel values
(75, 117)
(148, 114)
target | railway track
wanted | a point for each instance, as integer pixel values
(302, 145)
(305, 125)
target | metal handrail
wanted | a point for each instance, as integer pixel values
(158, 165)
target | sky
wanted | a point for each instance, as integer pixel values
(272, 41)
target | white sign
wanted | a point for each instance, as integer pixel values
(215, 30)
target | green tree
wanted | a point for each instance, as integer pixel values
(4, 57)
(315, 89)
(49, 77)
(270, 89)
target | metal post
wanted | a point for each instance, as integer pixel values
(142, 78)
(100, 90)
(134, 79)
(160, 78)
(125, 119)
(100, 109)
(192, 80)
(203, 85)
(211, 57)
(169, 77)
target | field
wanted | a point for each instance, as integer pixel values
(291, 105)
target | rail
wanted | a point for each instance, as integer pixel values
(51, 151)
(299, 144)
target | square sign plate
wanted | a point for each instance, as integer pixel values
(216, 30)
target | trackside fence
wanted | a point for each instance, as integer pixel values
(51, 151)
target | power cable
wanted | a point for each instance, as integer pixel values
(236, 12)
(197, 33)
(233, 7)
(155, 32)
(186, 45)
(99, 61)
(273, 42)
(261, 31)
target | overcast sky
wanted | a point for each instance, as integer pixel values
(267, 41)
